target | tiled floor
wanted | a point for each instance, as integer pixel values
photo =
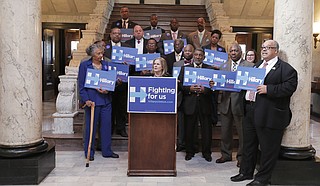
(70, 167)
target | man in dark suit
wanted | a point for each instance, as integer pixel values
(154, 23)
(267, 115)
(124, 22)
(231, 109)
(172, 34)
(138, 41)
(119, 104)
(176, 55)
(197, 107)
(215, 38)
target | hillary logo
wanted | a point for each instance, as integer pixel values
(92, 77)
(221, 80)
(209, 57)
(117, 54)
(190, 76)
(141, 62)
(135, 94)
(242, 78)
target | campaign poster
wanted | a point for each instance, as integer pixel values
(124, 54)
(199, 76)
(126, 34)
(176, 71)
(224, 80)
(168, 46)
(215, 58)
(155, 33)
(249, 78)
(152, 94)
(100, 79)
(144, 61)
(121, 69)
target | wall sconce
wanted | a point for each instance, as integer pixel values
(316, 31)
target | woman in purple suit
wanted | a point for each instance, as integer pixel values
(100, 99)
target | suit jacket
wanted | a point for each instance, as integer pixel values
(219, 48)
(233, 100)
(157, 27)
(272, 109)
(171, 58)
(190, 99)
(193, 39)
(118, 24)
(132, 44)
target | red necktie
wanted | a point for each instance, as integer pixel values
(138, 41)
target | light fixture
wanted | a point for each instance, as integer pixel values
(316, 31)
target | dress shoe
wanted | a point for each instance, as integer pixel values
(180, 148)
(122, 133)
(240, 177)
(222, 160)
(256, 183)
(238, 164)
(208, 158)
(188, 157)
(114, 155)
(91, 159)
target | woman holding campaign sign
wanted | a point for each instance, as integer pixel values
(96, 97)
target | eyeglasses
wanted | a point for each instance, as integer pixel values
(267, 47)
(151, 44)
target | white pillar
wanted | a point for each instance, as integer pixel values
(293, 30)
(21, 78)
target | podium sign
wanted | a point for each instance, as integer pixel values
(152, 94)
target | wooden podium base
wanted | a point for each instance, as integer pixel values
(151, 148)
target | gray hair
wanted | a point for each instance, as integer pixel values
(92, 48)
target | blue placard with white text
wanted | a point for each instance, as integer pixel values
(144, 61)
(126, 34)
(199, 76)
(100, 79)
(155, 33)
(176, 71)
(249, 78)
(168, 46)
(122, 70)
(124, 54)
(152, 94)
(215, 58)
(224, 80)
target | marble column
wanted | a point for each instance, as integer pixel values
(293, 30)
(21, 78)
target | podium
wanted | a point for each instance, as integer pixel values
(152, 126)
(151, 148)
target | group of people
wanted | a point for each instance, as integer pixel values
(260, 116)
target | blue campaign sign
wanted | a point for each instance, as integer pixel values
(152, 94)
(176, 71)
(224, 80)
(122, 70)
(155, 33)
(126, 34)
(144, 61)
(100, 79)
(124, 54)
(215, 58)
(249, 78)
(168, 46)
(199, 76)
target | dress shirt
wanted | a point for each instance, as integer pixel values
(200, 34)
(115, 44)
(197, 66)
(178, 56)
(174, 35)
(139, 45)
(124, 23)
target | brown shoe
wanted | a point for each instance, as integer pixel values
(222, 160)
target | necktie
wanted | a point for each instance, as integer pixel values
(198, 66)
(200, 37)
(138, 41)
(124, 24)
(187, 62)
(252, 94)
(234, 66)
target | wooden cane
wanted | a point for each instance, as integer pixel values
(91, 131)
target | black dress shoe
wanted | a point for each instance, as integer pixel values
(240, 177)
(91, 159)
(180, 148)
(222, 160)
(122, 133)
(114, 155)
(188, 157)
(208, 158)
(256, 183)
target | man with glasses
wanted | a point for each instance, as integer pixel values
(231, 109)
(267, 116)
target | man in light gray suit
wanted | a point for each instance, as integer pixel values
(232, 109)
